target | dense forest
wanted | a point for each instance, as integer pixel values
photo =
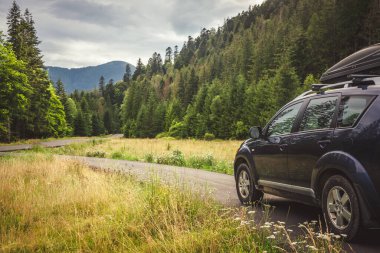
(217, 85)
(238, 75)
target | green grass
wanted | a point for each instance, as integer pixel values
(54, 205)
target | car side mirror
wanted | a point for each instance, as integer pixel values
(255, 132)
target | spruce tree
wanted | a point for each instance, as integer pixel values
(127, 74)
(13, 22)
(41, 120)
(102, 86)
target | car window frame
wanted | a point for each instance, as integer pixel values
(334, 119)
(361, 114)
(265, 130)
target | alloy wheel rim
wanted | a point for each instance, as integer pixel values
(339, 207)
(244, 184)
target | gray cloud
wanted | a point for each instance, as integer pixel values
(89, 32)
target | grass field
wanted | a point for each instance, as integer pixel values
(208, 155)
(52, 205)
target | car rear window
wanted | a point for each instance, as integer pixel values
(318, 114)
(351, 108)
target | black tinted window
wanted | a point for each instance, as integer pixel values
(351, 108)
(318, 114)
(283, 123)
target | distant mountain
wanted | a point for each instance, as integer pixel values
(87, 78)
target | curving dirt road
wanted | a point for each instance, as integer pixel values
(223, 188)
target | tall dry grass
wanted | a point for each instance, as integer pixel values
(210, 155)
(222, 150)
(57, 206)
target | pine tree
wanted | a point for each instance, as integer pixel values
(13, 22)
(140, 70)
(127, 74)
(168, 55)
(97, 125)
(102, 86)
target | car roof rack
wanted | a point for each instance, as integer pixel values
(356, 80)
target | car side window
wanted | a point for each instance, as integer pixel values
(283, 123)
(351, 108)
(318, 114)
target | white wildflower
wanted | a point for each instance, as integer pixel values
(271, 237)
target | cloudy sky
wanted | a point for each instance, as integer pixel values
(77, 33)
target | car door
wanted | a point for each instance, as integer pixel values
(270, 151)
(313, 138)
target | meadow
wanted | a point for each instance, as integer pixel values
(217, 155)
(54, 205)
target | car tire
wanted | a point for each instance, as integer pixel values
(245, 188)
(340, 206)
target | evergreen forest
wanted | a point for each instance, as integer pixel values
(216, 85)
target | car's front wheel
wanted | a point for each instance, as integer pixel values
(246, 190)
(341, 207)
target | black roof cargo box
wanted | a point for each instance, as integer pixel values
(365, 61)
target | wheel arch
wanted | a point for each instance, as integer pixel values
(341, 163)
(245, 156)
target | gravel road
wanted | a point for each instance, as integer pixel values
(223, 189)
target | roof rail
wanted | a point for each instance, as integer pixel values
(356, 80)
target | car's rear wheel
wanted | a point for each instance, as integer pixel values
(246, 190)
(341, 207)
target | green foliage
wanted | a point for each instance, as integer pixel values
(201, 162)
(209, 137)
(45, 115)
(176, 158)
(241, 130)
(99, 154)
(14, 92)
(56, 115)
(149, 158)
(177, 130)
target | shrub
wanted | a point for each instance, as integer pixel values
(209, 136)
(178, 130)
(162, 135)
(123, 156)
(149, 158)
(201, 162)
(99, 154)
(176, 158)
(241, 130)
(117, 155)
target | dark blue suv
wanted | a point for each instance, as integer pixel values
(323, 149)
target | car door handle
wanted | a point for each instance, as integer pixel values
(324, 143)
(283, 147)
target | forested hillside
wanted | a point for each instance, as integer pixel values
(238, 75)
(216, 85)
(86, 78)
